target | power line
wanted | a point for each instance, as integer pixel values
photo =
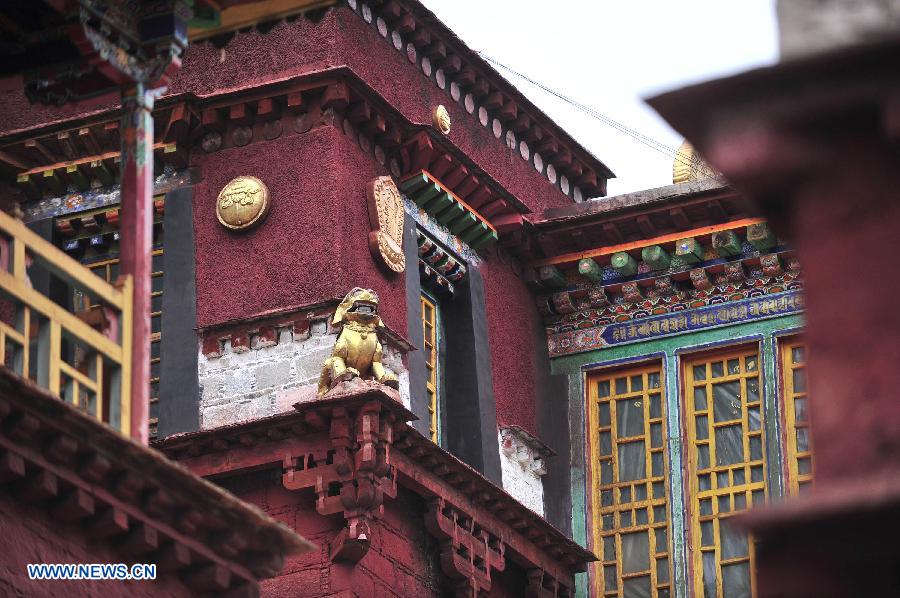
(636, 135)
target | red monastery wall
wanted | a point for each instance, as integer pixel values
(403, 84)
(342, 38)
(512, 322)
(31, 536)
(314, 242)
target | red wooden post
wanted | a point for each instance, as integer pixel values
(137, 240)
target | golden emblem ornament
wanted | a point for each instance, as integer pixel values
(242, 203)
(386, 217)
(441, 119)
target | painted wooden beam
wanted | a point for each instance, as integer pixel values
(590, 269)
(656, 257)
(551, 276)
(624, 263)
(689, 250)
(760, 236)
(726, 243)
(660, 240)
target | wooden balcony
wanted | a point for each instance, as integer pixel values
(63, 327)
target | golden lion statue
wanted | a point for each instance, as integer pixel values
(357, 351)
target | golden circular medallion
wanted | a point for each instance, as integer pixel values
(242, 203)
(441, 119)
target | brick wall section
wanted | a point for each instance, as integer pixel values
(31, 536)
(523, 469)
(267, 380)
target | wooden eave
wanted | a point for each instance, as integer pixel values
(131, 496)
(424, 467)
(634, 217)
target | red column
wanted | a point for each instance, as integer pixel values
(136, 242)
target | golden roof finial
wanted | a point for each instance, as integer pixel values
(689, 166)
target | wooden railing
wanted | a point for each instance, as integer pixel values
(81, 355)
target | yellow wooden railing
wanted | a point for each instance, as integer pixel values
(83, 357)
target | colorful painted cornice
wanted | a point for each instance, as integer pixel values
(736, 261)
(460, 218)
(439, 269)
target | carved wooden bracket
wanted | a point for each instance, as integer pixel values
(352, 476)
(543, 585)
(468, 552)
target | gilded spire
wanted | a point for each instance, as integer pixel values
(689, 166)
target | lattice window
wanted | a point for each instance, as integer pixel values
(99, 252)
(431, 336)
(796, 414)
(727, 471)
(629, 485)
(108, 270)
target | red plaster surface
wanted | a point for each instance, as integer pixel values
(845, 232)
(30, 536)
(341, 38)
(312, 246)
(512, 322)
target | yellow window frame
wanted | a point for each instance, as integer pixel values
(718, 491)
(798, 437)
(430, 335)
(621, 508)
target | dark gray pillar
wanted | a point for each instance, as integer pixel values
(415, 360)
(552, 409)
(553, 429)
(470, 413)
(179, 387)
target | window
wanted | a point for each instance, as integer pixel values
(629, 485)
(726, 468)
(108, 270)
(431, 335)
(96, 246)
(798, 451)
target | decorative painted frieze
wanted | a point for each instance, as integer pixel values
(662, 316)
(75, 202)
(700, 279)
(771, 265)
(440, 270)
